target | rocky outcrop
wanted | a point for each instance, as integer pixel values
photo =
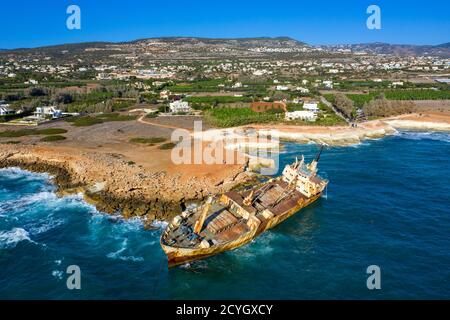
(419, 125)
(344, 137)
(113, 186)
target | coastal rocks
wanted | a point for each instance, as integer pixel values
(342, 136)
(155, 209)
(419, 125)
(97, 187)
(60, 175)
(256, 163)
(115, 188)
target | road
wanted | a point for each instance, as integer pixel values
(141, 120)
(327, 103)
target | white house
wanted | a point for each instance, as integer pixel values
(47, 112)
(302, 90)
(4, 110)
(179, 106)
(282, 88)
(311, 106)
(164, 94)
(301, 115)
(328, 84)
(31, 81)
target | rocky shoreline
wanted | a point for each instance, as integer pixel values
(113, 187)
(104, 201)
(114, 184)
(333, 136)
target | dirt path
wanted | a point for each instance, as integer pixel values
(141, 120)
(330, 105)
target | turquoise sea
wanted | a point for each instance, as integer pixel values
(387, 205)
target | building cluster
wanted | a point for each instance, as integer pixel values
(138, 65)
(5, 109)
(179, 106)
(309, 113)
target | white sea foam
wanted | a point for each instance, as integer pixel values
(159, 224)
(359, 144)
(132, 224)
(28, 199)
(57, 274)
(195, 266)
(435, 135)
(45, 225)
(9, 239)
(41, 196)
(117, 254)
(132, 258)
(45, 198)
(15, 172)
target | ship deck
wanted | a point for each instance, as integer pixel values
(274, 196)
(224, 223)
(221, 225)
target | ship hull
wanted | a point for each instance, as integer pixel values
(177, 256)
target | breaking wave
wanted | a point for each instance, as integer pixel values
(117, 254)
(159, 224)
(435, 136)
(9, 239)
(46, 225)
(17, 173)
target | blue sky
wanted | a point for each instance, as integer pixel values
(32, 23)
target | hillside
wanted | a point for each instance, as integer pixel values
(165, 48)
(441, 50)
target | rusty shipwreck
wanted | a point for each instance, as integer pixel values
(235, 218)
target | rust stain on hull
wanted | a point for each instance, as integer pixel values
(236, 218)
(178, 256)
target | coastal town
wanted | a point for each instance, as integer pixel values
(79, 110)
(211, 159)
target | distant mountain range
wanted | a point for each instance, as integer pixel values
(186, 47)
(194, 41)
(400, 49)
(164, 48)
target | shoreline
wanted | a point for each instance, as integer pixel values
(108, 181)
(346, 136)
(114, 187)
(103, 201)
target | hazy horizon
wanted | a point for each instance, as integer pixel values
(218, 38)
(31, 24)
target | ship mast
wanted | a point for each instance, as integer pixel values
(313, 164)
(201, 220)
(319, 153)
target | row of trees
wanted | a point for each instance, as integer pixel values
(381, 107)
(344, 105)
(76, 99)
